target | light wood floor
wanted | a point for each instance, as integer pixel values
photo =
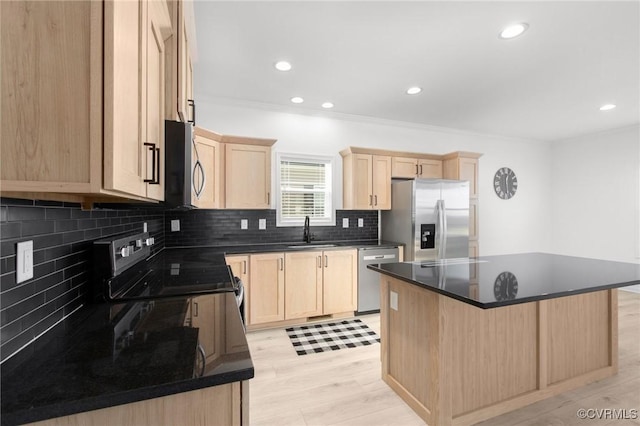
(344, 387)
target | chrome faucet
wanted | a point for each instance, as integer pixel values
(306, 235)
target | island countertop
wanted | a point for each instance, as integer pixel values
(494, 281)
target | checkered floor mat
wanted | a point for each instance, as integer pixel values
(331, 336)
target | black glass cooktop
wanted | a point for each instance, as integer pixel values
(172, 272)
(493, 281)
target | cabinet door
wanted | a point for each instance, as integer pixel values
(340, 268)
(51, 95)
(210, 156)
(403, 167)
(468, 170)
(156, 32)
(124, 161)
(381, 182)
(430, 169)
(206, 317)
(266, 291)
(362, 181)
(185, 71)
(239, 267)
(247, 176)
(303, 284)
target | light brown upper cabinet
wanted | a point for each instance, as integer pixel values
(463, 166)
(248, 173)
(366, 181)
(409, 168)
(209, 152)
(82, 99)
(180, 65)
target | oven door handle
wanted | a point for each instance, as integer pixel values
(204, 359)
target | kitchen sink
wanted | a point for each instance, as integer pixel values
(305, 246)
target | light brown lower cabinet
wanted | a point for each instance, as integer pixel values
(320, 283)
(223, 405)
(299, 285)
(265, 298)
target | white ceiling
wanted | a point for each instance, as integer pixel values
(547, 84)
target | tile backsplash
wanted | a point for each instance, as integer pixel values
(63, 233)
(222, 227)
(62, 236)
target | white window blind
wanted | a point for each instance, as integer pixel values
(304, 190)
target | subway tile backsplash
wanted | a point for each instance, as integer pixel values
(62, 236)
(222, 227)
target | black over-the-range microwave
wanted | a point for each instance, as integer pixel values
(184, 174)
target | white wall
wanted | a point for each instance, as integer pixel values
(521, 224)
(596, 195)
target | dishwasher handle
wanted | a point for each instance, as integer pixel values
(379, 257)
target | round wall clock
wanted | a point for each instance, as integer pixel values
(505, 183)
(505, 287)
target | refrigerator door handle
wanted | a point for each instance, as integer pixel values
(439, 229)
(443, 234)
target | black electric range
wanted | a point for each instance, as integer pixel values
(125, 271)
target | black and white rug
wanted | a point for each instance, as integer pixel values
(331, 336)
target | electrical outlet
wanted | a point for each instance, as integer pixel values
(360, 222)
(393, 300)
(175, 225)
(24, 261)
(345, 222)
(262, 224)
(244, 224)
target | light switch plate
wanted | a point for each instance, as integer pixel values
(24, 261)
(393, 300)
(262, 224)
(360, 222)
(244, 224)
(175, 225)
(345, 222)
(144, 227)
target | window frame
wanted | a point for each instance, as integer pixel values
(330, 174)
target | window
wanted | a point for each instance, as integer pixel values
(304, 185)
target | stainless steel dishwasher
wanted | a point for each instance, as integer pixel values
(368, 280)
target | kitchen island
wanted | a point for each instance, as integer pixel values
(464, 340)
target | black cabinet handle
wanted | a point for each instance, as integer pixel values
(192, 104)
(155, 159)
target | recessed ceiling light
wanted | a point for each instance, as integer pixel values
(297, 100)
(283, 66)
(513, 30)
(413, 90)
(607, 107)
(327, 105)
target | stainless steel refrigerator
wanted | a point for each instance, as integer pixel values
(430, 217)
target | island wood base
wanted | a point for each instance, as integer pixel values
(456, 364)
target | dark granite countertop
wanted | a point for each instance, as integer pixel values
(494, 281)
(84, 363)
